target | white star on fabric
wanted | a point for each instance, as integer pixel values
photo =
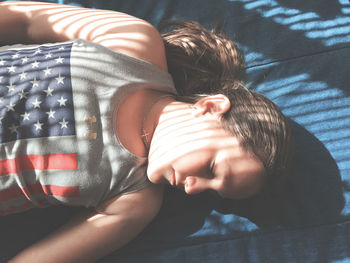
(62, 101)
(2, 62)
(36, 103)
(47, 71)
(23, 75)
(11, 87)
(38, 51)
(48, 91)
(51, 114)
(15, 55)
(25, 116)
(11, 107)
(11, 69)
(13, 128)
(24, 60)
(61, 48)
(59, 60)
(35, 64)
(23, 94)
(35, 83)
(60, 79)
(49, 55)
(38, 125)
(63, 123)
(1, 78)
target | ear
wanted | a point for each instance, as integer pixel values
(217, 105)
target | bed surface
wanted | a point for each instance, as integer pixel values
(298, 54)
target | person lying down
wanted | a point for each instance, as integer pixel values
(100, 110)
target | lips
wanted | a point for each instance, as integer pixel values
(174, 179)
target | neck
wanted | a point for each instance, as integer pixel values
(156, 103)
(135, 127)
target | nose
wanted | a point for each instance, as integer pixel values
(195, 184)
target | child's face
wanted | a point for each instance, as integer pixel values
(198, 155)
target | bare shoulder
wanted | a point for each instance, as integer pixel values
(142, 204)
(134, 37)
(139, 39)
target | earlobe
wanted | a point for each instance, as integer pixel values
(217, 105)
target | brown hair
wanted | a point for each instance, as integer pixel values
(200, 60)
(263, 130)
(204, 63)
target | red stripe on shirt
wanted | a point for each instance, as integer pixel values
(67, 161)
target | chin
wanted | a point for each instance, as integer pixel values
(154, 174)
(153, 178)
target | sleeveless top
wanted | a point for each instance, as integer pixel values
(58, 143)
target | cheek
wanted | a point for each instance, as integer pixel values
(196, 164)
(192, 163)
(165, 154)
(171, 143)
(158, 162)
(180, 150)
(160, 165)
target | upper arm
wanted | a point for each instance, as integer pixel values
(141, 204)
(93, 235)
(46, 22)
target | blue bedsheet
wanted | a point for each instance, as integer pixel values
(297, 54)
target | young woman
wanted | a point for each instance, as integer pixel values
(95, 120)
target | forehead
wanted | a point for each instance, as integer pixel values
(240, 172)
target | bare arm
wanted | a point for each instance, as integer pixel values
(94, 235)
(35, 22)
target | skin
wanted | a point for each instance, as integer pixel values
(187, 148)
(190, 150)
